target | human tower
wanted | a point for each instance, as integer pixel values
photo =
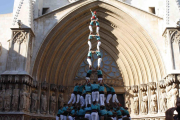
(88, 99)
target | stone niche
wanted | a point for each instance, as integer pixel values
(22, 98)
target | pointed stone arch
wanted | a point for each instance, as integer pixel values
(122, 37)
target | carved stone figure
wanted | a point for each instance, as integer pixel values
(22, 105)
(2, 93)
(174, 93)
(28, 101)
(60, 100)
(153, 102)
(144, 104)
(43, 102)
(163, 101)
(7, 98)
(53, 104)
(127, 102)
(34, 99)
(15, 99)
(136, 104)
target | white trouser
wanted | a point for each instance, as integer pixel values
(98, 45)
(78, 96)
(101, 97)
(64, 117)
(82, 101)
(57, 118)
(95, 96)
(100, 80)
(94, 115)
(61, 117)
(108, 98)
(120, 119)
(114, 99)
(99, 62)
(88, 99)
(87, 79)
(97, 30)
(90, 28)
(90, 45)
(70, 117)
(89, 61)
(73, 99)
(88, 116)
(114, 118)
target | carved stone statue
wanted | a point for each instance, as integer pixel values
(60, 100)
(2, 93)
(127, 102)
(153, 102)
(53, 104)
(163, 101)
(43, 102)
(7, 98)
(15, 100)
(136, 104)
(28, 101)
(34, 99)
(174, 93)
(144, 104)
(22, 105)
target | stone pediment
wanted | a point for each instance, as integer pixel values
(85, 2)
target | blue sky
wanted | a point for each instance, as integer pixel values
(6, 6)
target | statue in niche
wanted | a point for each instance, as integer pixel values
(144, 104)
(53, 104)
(136, 104)
(22, 105)
(174, 93)
(153, 102)
(163, 101)
(7, 98)
(127, 102)
(28, 101)
(60, 100)
(2, 93)
(43, 102)
(168, 88)
(34, 99)
(15, 99)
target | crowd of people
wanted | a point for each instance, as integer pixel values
(88, 102)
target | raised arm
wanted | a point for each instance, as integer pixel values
(106, 85)
(90, 10)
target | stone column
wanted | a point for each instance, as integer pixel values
(144, 99)
(135, 105)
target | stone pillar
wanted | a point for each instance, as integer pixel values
(135, 105)
(143, 99)
(172, 47)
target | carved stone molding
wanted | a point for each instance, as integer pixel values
(143, 87)
(176, 37)
(135, 89)
(44, 85)
(152, 85)
(35, 84)
(162, 84)
(53, 87)
(19, 37)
